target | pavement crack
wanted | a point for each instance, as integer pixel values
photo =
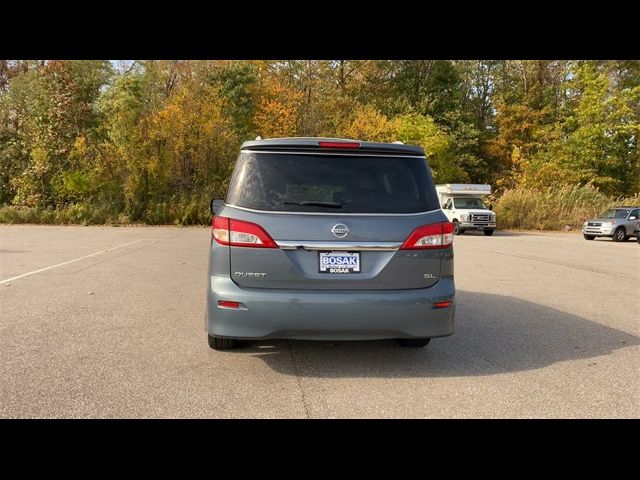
(303, 396)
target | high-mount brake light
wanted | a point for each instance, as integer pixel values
(339, 144)
(238, 233)
(435, 235)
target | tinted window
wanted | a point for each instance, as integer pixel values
(332, 183)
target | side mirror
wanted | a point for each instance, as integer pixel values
(489, 207)
(216, 205)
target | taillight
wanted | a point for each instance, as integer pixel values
(238, 233)
(442, 304)
(228, 304)
(339, 144)
(220, 230)
(435, 235)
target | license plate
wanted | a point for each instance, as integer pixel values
(339, 262)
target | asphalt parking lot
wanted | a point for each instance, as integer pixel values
(547, 325)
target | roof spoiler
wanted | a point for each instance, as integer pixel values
(333, 144)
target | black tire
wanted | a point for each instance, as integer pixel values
(456, 228)
(588, 237)
(620, 235)
(414, 342)
(488, 232)
(638, 237)
(219, 343)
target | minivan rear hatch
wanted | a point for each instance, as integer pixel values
(332, 218)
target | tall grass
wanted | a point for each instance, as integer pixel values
(520, 208)
(554, 208)
(189, 211)
(80, 214)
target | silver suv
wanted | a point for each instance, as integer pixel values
(618, 223)
(330, 239)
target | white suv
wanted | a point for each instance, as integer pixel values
(618, 223)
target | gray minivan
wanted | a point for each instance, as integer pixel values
(329, 239)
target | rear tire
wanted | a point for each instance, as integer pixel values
(488, 232)
(456, 228)
(620, 235)
(588, 237)
(219, 343)
(638, 237)
(414, 342)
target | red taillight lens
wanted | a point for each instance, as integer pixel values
(442, 304)
(220, 230)
(228, 304)
(435, 235)
(339, 144)
(238, 233)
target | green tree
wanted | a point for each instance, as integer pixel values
(599, 140)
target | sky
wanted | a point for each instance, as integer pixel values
(121, 65)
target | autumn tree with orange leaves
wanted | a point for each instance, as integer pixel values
(153, 140)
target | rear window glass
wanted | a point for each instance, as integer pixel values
(332, 183)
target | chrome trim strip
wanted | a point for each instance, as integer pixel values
(371, 246)
(335, 214)
(361, 153)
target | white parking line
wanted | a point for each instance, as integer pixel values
(70, 261)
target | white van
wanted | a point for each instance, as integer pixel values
(464, 207)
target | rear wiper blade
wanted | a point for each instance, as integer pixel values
(309, 203)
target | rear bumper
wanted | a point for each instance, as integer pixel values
(329, 315)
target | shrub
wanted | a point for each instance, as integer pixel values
(553, 208)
